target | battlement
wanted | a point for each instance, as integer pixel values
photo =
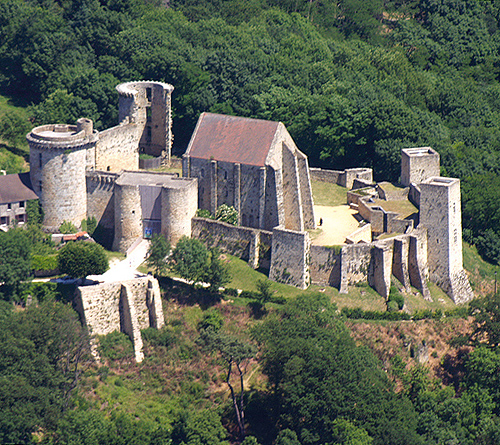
(63, 136)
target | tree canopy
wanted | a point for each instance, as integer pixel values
(80, 258)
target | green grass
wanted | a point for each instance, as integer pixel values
(326, 194)
(481, 273)
(404, 207)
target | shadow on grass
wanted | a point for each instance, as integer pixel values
(188, 294)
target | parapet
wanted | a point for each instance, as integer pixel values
(418, 164)
(131, 89)
(63, 136)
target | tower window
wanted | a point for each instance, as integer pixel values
(40, 160)
(149, 93)
(148, 114)
(148, 134)
(40, 185)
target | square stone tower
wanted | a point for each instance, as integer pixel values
(418, 164)
(441, 214)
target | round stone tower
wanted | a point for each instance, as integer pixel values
(59, 157)
(148, 105)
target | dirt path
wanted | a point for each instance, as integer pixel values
(338, 223)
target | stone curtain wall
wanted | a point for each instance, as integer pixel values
(100, 199)
(325, 265)
(129, 306)
(249, 244)
(117, 148)
(290, 257)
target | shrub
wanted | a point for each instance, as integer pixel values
(159, 337)
(44, 262)
(204, 213)
(212, 319)
(68, 227)
(115, 346)
(227, 214)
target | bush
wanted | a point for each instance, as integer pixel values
(68, 227)
(227, 214)
(115, 346)
(44, 262)
(204, 213)
(80, 258)
(212, 319)
(159, 337)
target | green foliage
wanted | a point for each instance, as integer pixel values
(212, 319)
(158, 251)
(190, 259)
(44, 262)
(396, 298)
(10, 162)
(116, 346)
(227, 214)
(16, 261)
(89, 225)
(200, 428)
(68, 227)
(159, 337)
(80, 258)
(486, 313)
(34, 212)
(287, 437)
(44, 350)
(308, 341)
(13, 129)
(217, 273)
(204, 213)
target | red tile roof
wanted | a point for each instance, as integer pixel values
(232, 139)
(15, 188)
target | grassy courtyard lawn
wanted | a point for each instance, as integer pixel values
(404, 207)
(326, 194)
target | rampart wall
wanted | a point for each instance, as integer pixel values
(290, 260)
(325, 265)
(127, 306)
(117, 148)
(249, 244)
(100, 197)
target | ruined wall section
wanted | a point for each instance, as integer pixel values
(128, 307)
(418, 165)
(117, 148)
(290, 257)
(344, 178)
(147, 104)
(100, 197)
(325, 265)
(249, 244)
(292, 201)
(355, 263)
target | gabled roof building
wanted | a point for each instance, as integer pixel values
(253, 165)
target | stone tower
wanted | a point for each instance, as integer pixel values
(418, 164)
(59, 157)
(148, 105)
(440, 213)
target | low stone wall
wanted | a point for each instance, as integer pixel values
(345, 178)
(363, 234)
(324, 267)
(322, 175)
(252, 245)
(388, 192)
(148, 164)
(127, 306)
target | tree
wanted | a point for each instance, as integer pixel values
(44, 350)
(318, 374)
(190, 259)
(218, 272)
(157, 254)
(486, 312)
(16, 260)
(80, 258)
(236, 354)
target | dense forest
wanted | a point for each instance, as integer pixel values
(354, 81)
